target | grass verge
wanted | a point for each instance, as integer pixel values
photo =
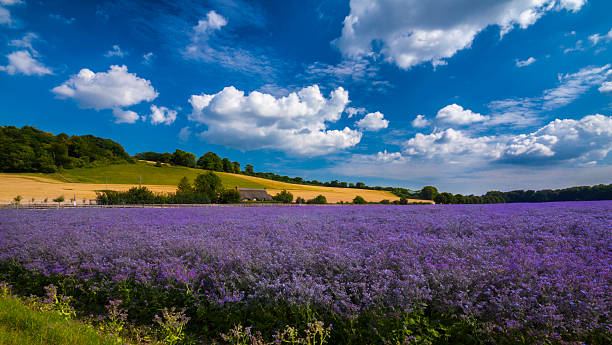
(20, 324)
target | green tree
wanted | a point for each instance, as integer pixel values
(236, 167)
(17, 199)
(59, 199)
(180, 157)
(208, 183)
(184, 186)
(284, 197)
(248, 169)
(428, 193)
(320, 199)
(359, 200)
(300, 200)
(227, 165)
(210, 161)
(444, 198)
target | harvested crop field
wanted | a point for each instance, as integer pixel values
(507, 271)
(40, 187)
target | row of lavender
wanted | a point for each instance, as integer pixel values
(520, 265)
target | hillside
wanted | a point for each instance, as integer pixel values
(83, 182)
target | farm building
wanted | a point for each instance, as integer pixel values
(251, 194)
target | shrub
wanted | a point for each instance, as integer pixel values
(208, 183)
(229, 196)
(17, 199)
(59, 199)
(320, 199)
(385, 202)
(284, 197)
(359, 200)
(300, 200)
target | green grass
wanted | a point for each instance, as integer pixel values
(20, 324)
(152, 175)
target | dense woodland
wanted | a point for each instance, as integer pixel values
(28, 149)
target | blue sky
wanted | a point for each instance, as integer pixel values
(467, 95)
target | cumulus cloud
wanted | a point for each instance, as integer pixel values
(420, 121)
(125, 116)
(373, 122)
(352, 111)
(162, 115)
(296, 123)
(524, 63)
(115, 51)
(22, 62)
(115, 88)
(454, 114)
(412, 32)
(585, 140)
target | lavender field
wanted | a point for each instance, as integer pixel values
(544, 267)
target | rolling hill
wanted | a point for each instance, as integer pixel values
(83, 182)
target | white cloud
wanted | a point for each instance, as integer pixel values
(527, 62)
(26, 42)
(125, 116)
(213, 21)
(449, 144)
(296, 123)
(606, 87)
(184, 134)
(526, 111)
(373, 122)
(577, 47)
(454, 114)
(115, 51)
(585, 140)
(352, 111)
(420, 121)
(411, 32)
(574, 85)
(209, 46)
(22, 62)
(596, 38)
(5, 14)
(106, 90)
(162, 115)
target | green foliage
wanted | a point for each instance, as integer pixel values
(229, 196)
(180, 157)
(184, 186)
(319, 199)
(31, 150)
(385, 202)
(208, 183)
(59, 199)
(17, 199)
(359, 200)
(444, 198)
(300, 200)
(284, 197)
(58, 303)
(172, 325)
(428, 193)
(210, 161)
(165, 157)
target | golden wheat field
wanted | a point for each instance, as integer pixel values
(41, 188)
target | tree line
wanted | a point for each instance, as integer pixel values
(580, 193)
(28, 149)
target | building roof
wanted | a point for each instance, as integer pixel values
(254, 194)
